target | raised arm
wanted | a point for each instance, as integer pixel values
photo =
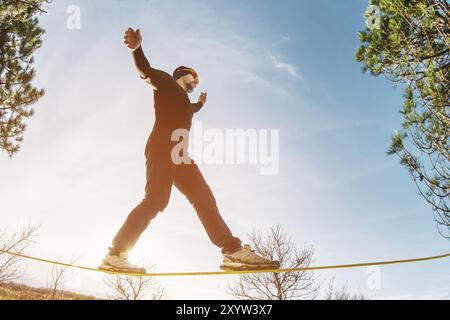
(142, 65)
(156, 78)
(200, 103)
(196, 106)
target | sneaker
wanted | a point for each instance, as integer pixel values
(119, 263)
(246, 259)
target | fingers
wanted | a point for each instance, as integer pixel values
(126, 36)
(203, 97)
(130, 32)
(130, 36)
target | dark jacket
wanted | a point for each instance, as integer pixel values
(173, 109)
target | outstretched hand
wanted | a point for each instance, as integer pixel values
(132, 39)
(203, 97)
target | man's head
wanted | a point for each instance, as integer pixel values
(186, 77)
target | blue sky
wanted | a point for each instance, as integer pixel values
(287, 65)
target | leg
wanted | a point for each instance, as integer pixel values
(189, 180)
(160, 175)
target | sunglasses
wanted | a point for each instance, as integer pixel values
(195, 75)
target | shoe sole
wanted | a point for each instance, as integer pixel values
(116, 269)
(237, 266)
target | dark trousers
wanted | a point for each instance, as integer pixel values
(162, 172)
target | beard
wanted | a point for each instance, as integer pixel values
(189, 87)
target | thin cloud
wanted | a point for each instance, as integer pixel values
(289, 68)
(284, 38)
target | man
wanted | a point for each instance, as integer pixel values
(173, 110)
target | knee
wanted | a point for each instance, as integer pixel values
(204, 201)
(153, 204)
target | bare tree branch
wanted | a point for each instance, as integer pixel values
(276, 245)
(125, 287)
(10, 268)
